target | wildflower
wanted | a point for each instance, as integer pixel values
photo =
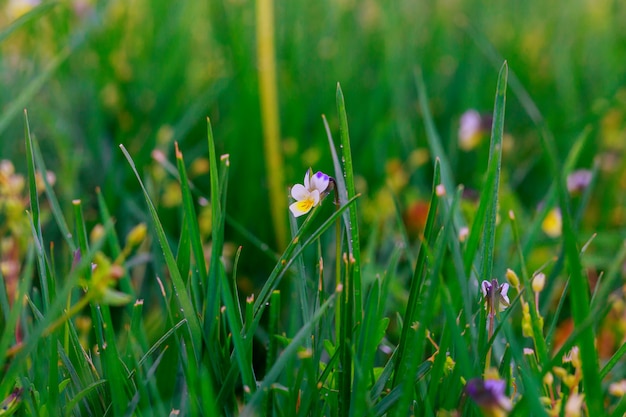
(574, 405)
(578, 180)
(489, 394)
(495, 295)
(512, 277)
(618, 389)
(472, 128)
(552, 224)
(539, 282)
(310, 194)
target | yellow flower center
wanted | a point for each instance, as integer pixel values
(305, 205)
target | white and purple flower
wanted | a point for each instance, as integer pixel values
(310, 194)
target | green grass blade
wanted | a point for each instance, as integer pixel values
(579, 295)
(213, 285)
(353, 229)
(179, 286)
(287, 355)
(415, 285)
(35, 213)
(492, 182)
(55, 207)
(191, 222)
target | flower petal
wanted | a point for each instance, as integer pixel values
(302, 207)
(485, 286)
(315, 196)
(299, 192)
(307, 183)
(319, 182)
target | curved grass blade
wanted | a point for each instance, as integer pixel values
(179, 286)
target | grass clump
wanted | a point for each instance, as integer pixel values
(364, 337)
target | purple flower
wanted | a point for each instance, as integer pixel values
(578, 180)
(489, 395)
(495, 295)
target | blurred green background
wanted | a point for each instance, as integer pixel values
(146, 73)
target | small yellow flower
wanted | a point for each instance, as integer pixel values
(310, 194)
(552, 224)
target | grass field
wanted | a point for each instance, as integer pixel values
(333, 208)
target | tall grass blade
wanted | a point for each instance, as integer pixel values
(417, 279)
(179, 286)
(353, 229)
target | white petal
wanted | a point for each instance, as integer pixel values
(320, 181)
(316, 197)
(295, 210)
(307, 183)
(299, 192)
(503, 290)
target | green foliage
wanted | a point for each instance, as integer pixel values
(437, 275)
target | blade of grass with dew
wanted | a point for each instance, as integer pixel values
(579, 295)
(339, 177)
(179, 286)
(417, 279)
(352, 299)
(492, 182)
(353, 229)
(484, 221)
(288, 354)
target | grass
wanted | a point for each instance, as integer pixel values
(176, 287)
